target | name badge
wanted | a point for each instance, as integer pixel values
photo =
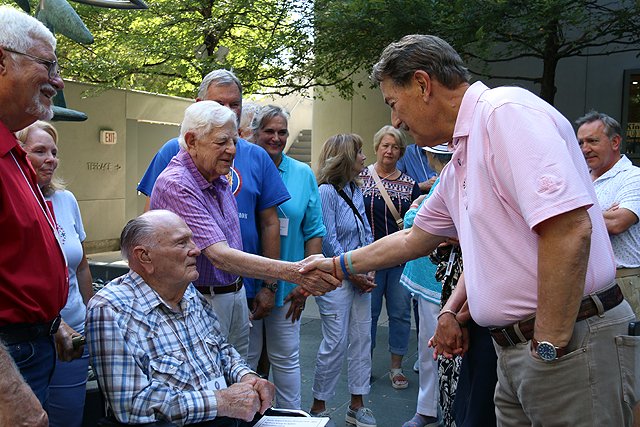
(284, 226)
(218, 383)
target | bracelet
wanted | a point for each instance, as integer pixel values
(349, 265)
(445, 311)
(345, 272)
(335, 268)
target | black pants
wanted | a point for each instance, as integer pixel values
(473, 405)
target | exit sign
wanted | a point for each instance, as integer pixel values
(108, 137)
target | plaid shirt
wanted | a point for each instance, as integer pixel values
(153, 362)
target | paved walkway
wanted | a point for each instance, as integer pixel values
(391, 407)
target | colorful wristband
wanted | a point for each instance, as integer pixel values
(345, 272)
(349, 264)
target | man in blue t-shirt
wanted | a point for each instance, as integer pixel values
(255, 181)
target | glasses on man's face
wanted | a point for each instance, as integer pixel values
(52, 66)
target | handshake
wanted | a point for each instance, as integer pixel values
(319, 275)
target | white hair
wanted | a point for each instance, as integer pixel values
(200, 118)
(19, 30)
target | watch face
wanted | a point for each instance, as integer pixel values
(546, 351)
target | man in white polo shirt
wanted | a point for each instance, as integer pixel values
(617, 184)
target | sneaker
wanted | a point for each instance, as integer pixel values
(416, 366)
(398, 380)
(363, 417)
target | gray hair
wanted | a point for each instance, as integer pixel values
(401, 59)
(19, 30)
(139, 231)
(611, 126)
(337, 159)
(57, 183)
(265, 115)
(202, 117)
(220, 77)
(249, 110)
(395, 133)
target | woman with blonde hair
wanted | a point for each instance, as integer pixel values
(67, 386)
(346, 311)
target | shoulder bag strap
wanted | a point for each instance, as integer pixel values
(346, 198)
(385, 196)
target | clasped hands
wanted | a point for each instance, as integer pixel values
(451, 337)
(243, 399)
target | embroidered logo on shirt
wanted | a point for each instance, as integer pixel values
(548, 184)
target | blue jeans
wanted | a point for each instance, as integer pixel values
(67, 392)
(35, 360)
(398, 309)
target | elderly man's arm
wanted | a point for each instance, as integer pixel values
(270, 241)
(563, 252)
(394, 249)
(132, 394)
(18, 405)
(243, 264)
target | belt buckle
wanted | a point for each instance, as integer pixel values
(506, 335)
(54, 326)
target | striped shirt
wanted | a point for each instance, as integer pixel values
(345, 232)
(153, 362)
(208, 208)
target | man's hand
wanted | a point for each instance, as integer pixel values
(238, 401)
(64, 345)
(265, 389)
(316, 278)
(364, 282)
(262, 304)
(20, 407)
(298, 299)
(449, 339)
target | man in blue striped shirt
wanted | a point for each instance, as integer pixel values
(155, 342)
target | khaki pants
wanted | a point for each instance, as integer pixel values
(594, 385)
(629, 281)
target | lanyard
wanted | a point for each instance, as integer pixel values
(47, 214)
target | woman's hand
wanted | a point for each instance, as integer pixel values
(298, 298)
(364, 282)
(449, 339)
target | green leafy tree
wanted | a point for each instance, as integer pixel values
(169, 47)
(351, 33)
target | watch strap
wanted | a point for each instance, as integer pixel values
(560, 351)
(273, 287)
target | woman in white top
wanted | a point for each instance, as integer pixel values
(67, 387)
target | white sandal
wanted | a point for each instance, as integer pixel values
(398, 380)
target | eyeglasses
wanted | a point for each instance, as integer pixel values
(52, 66)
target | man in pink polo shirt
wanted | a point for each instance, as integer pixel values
(539, 267)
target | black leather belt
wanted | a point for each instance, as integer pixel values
(522, 331)
(22, 332)
(234, 286)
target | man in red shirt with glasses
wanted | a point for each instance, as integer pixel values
(33, 273)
